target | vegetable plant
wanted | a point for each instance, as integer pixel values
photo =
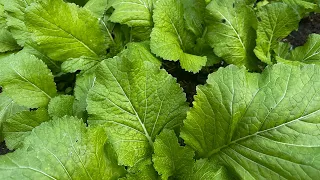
(88, 90)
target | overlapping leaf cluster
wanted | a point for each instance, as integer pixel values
(125, 117)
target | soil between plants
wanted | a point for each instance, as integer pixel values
(189, 81)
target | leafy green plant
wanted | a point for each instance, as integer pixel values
(87, 90)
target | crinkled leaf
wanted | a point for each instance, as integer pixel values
(170, 159)
(231, 33)
(61, 105)
(15, 10)
(60, 149)
(27, 80)
(194, 16)
(260, 126)
(133, 12)
(283, 50)
(71, 34)
(7, 42)
(308, 53)
(135, 101)
(169, 38)
(20, 125)
(276, 21)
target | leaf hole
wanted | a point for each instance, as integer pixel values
(223, 21)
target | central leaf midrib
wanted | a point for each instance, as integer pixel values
(74, 37)
(217, 150)
(146, 134)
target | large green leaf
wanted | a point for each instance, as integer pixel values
(20, 125)
(170, 39)
(133, 12)
(260, 126)
(71, 34)
(231, 33)
(27, 80)
(135, 101)
(61, 105)
(276, 21)
(61, 149)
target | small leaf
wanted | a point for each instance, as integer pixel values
(277, 21)
(27, 80)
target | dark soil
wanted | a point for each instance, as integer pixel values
(308, 25)
(3, 148)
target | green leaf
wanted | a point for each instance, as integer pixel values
(8, 108)
(135, 101)
(303, 7)
(33, 49)
(169, 38)
(7, 42)
(231, 33)
(205, 169)
(60, 149)
(61, 105)
(97, 7)
(170, 159)
(84, 83)
(27, 80)
(15, 10)
(194, 16)
(140, 51)
(65, 35)
(259, 125)
(145, 173)
(82, 63)
(133, 12)
(308, 53)
(277, 20)
(20, 125)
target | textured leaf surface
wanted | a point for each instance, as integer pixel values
(15, 19)
(170, 159)
(27, 80)
(97, 7)
(60, 149)
(231, 33)
(170, 39)
(135, 101)
(7, 42)
(60, 106)
(277, 20)
(71, 34)
(133, 12)
(205, 169)
(20, 125)
(260, 126)
(308, 53)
